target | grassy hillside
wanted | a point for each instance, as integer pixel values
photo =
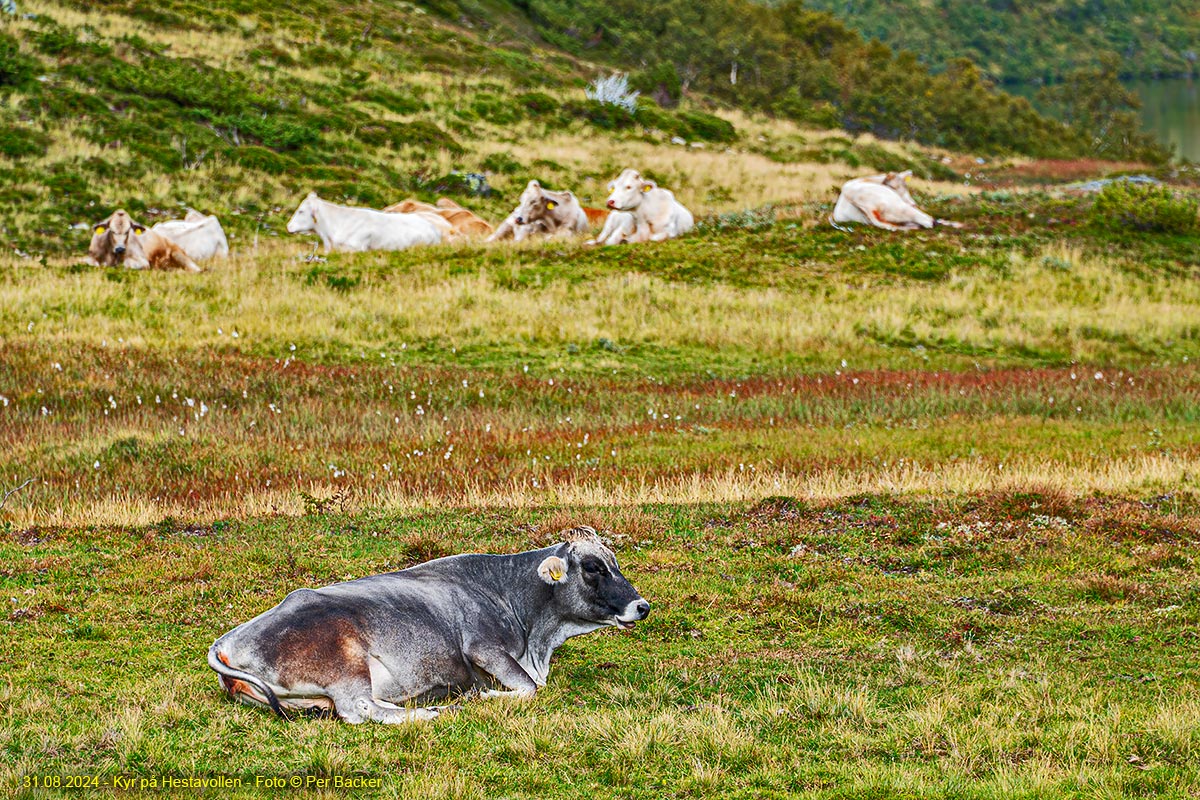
(1015, 40)
(241, 109)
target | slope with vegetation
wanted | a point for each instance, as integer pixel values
(1017, 40)
(240, 109)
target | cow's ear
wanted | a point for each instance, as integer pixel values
(904, 175)
(138, 228)
(647, 186)
(534, 185)
(99, 229)
(550, 204)
(553, 570)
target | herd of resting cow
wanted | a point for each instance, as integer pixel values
(389, 647)
(638, 210)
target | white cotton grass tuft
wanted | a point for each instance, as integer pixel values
(613, 91)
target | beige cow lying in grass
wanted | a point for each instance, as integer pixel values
(461, 221)
(120, 241)
(883, 201)
(543, 212)
(641, 211)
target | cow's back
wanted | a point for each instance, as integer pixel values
(197, 235)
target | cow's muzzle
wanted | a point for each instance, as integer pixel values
(520, 220)
(612, 204)
(637, 610)
(119, 250)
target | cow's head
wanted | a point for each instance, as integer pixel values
(898, 183)
(552, 209)
(529, 198)
(305, 218)
(627, 191)
(588, 584)
(117, 235)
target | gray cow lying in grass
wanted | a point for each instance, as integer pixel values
(489, 623)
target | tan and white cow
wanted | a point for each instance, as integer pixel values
(883, 201)
(120, 241)
(461, 221)
(543, 212)
(201, 236)
(656, 214)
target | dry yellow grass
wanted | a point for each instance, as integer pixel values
(1115, 475)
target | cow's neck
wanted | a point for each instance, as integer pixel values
(324, 220)
(545, 628)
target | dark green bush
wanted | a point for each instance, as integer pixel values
(396, 102)
(264, 160)
(1145, 208)
(20, 142)
(494, 109)
(16, 69)
(601, 115)
(424, 134)
(61, 42)
(502, 163)
(707, 127)
(649, 115)
(660, 82)
(538, 104)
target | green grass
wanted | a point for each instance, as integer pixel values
(1013, 645)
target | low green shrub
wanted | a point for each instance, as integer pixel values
(16, 68)
(707, 127)
(21, 142)
(396, 102)
(264, 160)
(494, 109)
(601, 115)
(1145, 208)
(538, 104)
(502, 163)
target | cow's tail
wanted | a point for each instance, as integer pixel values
(223, 669)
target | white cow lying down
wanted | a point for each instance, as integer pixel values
(640, 211)
(357, 230)
(883, 201)
(199, 236)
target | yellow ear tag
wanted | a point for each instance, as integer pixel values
(136, 232)
(556, 573)
(551, 205)
(100, 229)
(645, 187)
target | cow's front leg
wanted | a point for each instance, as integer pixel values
(505, 669)
(354, 704)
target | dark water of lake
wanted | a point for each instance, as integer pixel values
(1170, 110)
